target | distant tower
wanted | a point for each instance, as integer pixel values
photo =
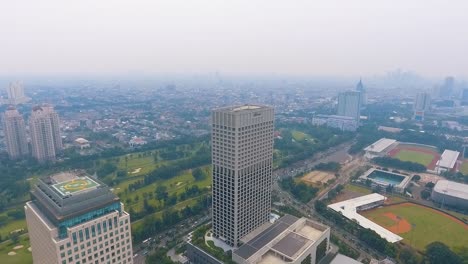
(360, 88)
(45, 133)
(422, 105)
(15, 134)
(446, 90)
(242, 158)
(16, 95)
(349, 104)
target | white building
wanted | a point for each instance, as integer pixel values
(289, 240)
(242, 158)
(349, 104)
(15, 92)
(73, 218)
(447, 161)
(422, 104)
(449, 193)
(82, 143)
(344, 123)
(15, 134)
(380, 148)
(350, 208)
(46, 140)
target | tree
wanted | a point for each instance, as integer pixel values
(438, 253)
(161, 192)
(198, 174)
(408, 256)
(416, 178)
(430, 185)
(425, 194)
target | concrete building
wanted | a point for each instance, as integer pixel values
(289, 240)
(344, 123)
(74, 218)
(380, 148)
(242, 157)
(360, 88)
(46, 140)
(15, 134)
(449, 193)
(349, 104)
(82, 143)
(447, 161)
(15, 92)
(422, 105)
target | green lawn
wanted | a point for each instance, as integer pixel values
(415, 156)
(357, 189)
(23, 256)
(300, 136)
(464, 168)
(12, 226)
(429, 225)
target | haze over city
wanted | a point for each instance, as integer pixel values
(311, 38)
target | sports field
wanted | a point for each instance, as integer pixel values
(419, 225)
(464, 167)
(422, 155)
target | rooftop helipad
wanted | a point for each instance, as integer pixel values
(76, 185)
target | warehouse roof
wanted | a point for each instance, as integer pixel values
(452, 188)
(380, 145)
(448, 159)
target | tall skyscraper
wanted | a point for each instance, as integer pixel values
(360, 88)
(45, 133)
(242, 157)
(422, 104)
(15, 134)
(15, 93)
(74, 218)
(349, 104)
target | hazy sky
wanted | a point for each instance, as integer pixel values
(310, 37)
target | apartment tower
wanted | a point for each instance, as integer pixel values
(349, 104)
(45, 133)
(242, 157)
(15, 92)
(15, 134)
(74, 218)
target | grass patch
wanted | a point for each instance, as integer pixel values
(23, 256)
(415, 156)
(300, 136)
(357, 189)
(12, 226)
(428, 225)
(464, 168)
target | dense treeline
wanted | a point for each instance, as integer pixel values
(300, 191)
(399, 164)
(328, 166)
(153, 225)
(293, 151)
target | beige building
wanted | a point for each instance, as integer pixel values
(242, 157)
(74, 218)
(289, 240)
(46, 140)
(15, 134)
(15, 92)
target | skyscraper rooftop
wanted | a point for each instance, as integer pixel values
(67, 194)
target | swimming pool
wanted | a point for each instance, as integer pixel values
(386, 177)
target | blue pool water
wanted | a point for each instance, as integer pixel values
(386, 177)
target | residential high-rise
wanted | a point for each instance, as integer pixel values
(15, 93)
(46, 141)
(74, 218)
(242, 157)
(349, 104)
(360, 88)
(422, 104)
(15, 134)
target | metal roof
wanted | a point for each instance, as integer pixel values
(448, 159)
(452, 188)
(380, 145)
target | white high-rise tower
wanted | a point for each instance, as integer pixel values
(15, 134)
(242, 157)
(45, 133)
